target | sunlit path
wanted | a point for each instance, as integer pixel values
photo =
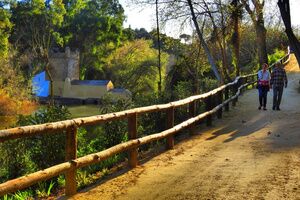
(249, 154)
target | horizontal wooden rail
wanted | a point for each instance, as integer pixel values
(70, 126)
(27, 131)
(28, 180)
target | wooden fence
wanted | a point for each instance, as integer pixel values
(215, 101)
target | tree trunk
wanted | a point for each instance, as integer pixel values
(257, 17)
(51, 84)
(294, 43)
(284, 7)
(235, 38)
(223, 45)
(261, 33)
(158, 43)
(204, 44)
(225, 63)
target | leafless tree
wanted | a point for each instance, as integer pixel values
(183, 11)
(203, 43)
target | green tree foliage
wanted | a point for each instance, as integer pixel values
(278, 54)
(14, 88)
(168, 44)
(5, 28)
(134, 66)
(142, 33)
(276, 40)
(188, 70)
(95, 28)
(35, 31)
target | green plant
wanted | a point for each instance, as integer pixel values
(21, 195)
(24, 156)
(61, 181)
(44, 189)
(134, 66)
(51, 185)
(83, 178)
(105, 171)
(52, 145)
(278, 54)
(183, 89)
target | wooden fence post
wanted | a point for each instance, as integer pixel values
(254, 78)
(233, 92)
(71, 153)
(220, 100)
(227, 97)
(170, 124)
(240, 82)
(132, 134)
(192, 112)
(245, 80)
(208, 106)
(236, 88)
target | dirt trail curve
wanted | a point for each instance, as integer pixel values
(249, 154)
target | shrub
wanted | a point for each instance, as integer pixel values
(8, 106)
(278, 54)
(26, 155)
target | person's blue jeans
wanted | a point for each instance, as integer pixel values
(277, 94)
(263, 93)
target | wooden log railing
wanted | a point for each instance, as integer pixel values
(220, 94)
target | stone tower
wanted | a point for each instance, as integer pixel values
(64, 65)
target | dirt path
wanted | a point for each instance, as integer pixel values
(249, 154)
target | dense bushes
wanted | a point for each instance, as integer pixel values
(23, 156)
(15, 95)
(7, 104)
(11, 106)
(26, 155)
(278, 54)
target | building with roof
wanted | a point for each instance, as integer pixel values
(64, 70)
(86, 89)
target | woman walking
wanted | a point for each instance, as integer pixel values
(263, 85)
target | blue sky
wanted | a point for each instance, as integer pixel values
(138, 17)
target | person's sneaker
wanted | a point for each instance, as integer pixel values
(259, 107)
(277, 108)
(265, 108)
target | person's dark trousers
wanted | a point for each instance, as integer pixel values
(263, 93)
(277, 94)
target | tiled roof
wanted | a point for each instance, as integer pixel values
(90, 82)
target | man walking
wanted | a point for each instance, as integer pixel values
(278, 81)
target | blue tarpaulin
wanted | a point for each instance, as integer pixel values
(41, 85)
